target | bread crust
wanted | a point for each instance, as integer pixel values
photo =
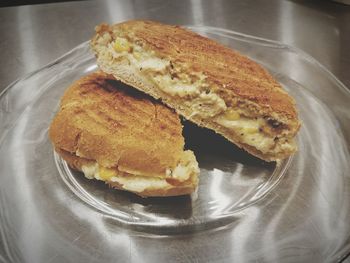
(117, 126)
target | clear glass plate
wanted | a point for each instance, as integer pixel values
(245, 209)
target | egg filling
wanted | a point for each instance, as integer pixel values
(185, 173)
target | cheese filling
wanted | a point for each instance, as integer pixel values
(194, 95)
(248, 131)
(135, 183)
(251, 132)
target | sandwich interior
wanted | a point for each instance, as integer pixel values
(180, 180)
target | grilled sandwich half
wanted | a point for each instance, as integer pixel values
(206, 82)
(114, 133)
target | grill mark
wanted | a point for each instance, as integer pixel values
(108, 107)
(177, 37)
(167, 43)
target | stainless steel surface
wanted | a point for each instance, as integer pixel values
(304, 218)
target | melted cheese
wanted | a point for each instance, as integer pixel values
(134, 183)
(248, 130)
(243, 124)
(128, 182)
(90, 171)
(139, 183)
(174, 87)
(155, 64)
(182, 172)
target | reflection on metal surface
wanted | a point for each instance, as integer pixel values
(243, 232)
(27, 37)
(118, 10)
(197, 11)
(303, 218)
(327, 41)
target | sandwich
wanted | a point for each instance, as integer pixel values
(116, 134)
(204, 81)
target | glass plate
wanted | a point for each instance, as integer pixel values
(245, 209)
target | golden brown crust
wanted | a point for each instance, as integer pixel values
(74, 161)
(233, 74)
(117, 126)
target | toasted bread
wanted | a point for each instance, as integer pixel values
(117, 134)
(206, 82)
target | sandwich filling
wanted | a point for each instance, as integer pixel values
(191, 91)
(184, 174)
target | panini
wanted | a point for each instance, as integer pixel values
(114, 133)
